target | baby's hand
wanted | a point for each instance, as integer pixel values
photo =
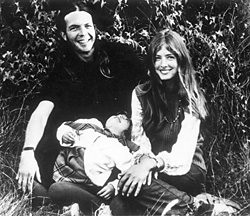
(107, 191)
(68, 138)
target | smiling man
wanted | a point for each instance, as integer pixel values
(94, 78)
(80, 33)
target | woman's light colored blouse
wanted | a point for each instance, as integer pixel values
(179, 160)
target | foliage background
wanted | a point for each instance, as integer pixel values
(217, 33)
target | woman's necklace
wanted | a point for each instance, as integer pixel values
(176, 118)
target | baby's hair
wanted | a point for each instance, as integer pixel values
(125, 139)
(127, 133)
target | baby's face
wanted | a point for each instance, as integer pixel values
(118, 124)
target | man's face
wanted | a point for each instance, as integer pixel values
(80, 31)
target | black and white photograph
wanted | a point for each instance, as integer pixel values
(124, 107)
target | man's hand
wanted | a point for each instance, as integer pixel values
(107, 191)
(136, 176)
(28, 168)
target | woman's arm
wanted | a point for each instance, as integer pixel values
(138, 134)
(179, 160)
(140, 173)
(28, 167)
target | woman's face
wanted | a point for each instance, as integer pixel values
(166, 65)
(80, 31)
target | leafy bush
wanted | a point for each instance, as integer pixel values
(217, 35)
(28, 42)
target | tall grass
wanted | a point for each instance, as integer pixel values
(12, 201)
(220, 46)
(10, 138)
(12, 205)
(228, 164)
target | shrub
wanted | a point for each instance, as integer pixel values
(217, 35)
(28, 43)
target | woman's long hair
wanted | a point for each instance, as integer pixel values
(192, 99)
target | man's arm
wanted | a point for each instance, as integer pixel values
(28, 167)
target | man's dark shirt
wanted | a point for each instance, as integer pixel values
(79, 90)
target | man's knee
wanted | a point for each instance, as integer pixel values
(55, 191)
(40, 196)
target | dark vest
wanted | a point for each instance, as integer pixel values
(163, 133)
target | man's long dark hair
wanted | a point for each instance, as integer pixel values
(103, 59)
(68, 8)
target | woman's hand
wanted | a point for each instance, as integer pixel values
(107, 191)
(136, 176)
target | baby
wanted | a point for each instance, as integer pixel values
(92, 152)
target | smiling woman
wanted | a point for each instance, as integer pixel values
(166, 113)
(166, 65)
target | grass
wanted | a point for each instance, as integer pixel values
(228, 175)
(12, 203)
(227, 149)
